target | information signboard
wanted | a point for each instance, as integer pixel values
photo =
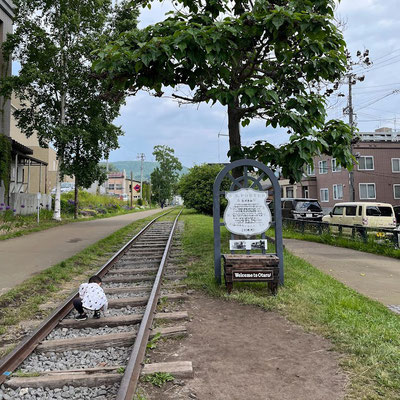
(247, 212)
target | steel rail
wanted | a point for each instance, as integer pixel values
(132, 370)
(12, 360)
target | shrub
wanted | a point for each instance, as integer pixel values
(196, 187)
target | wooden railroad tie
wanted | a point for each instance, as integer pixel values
(103, 341)
(139, 289)
(93, 377)
(120, 320)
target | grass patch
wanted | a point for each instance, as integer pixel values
(363, 330)
(23, 301)
(152, 344)
(371, 246)
(158, 378)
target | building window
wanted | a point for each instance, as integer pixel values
(305, 192)
(310, 170)
(110, 186)
(395, 164)
(396, 191)
(367, 191)
(366, 163)
(338, 192)
(289, 192)
(323, 167)
(335, 166)
(324, 193)
(118, 186)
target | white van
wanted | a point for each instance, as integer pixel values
(366, 214)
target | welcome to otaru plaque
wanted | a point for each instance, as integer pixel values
(247, 212)
(247, 216)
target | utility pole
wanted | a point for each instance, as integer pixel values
(352, 78)
(141, 157)
(131, 189)
(349, 109)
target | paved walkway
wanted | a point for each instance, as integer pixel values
(22, 257)
(375, 276)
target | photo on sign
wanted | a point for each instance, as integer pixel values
(260, 244)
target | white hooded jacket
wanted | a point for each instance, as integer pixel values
(93, 296)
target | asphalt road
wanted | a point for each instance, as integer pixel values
(22, 257)
(375, 276)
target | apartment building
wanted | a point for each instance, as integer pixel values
(376, 176)
(117, 183)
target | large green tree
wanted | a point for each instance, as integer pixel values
(196, 187)
(259, 58)
(165, 176)
(62, 100)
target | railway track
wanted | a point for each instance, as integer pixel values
(103, 358)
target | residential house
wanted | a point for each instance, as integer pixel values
(38, 171)
(376, 176)
(135, 193)
(29, 167)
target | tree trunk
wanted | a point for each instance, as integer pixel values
(57, 205)
(57, 201)
(235, 145)
(76, 199)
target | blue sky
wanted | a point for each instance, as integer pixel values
(192, 130)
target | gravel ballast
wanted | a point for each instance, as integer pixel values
(75, 359)
(67, 392)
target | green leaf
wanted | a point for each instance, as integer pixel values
(245, 122)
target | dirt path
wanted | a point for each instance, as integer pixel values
(24, 256)
(241, 352)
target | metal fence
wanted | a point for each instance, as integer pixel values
(384, 236)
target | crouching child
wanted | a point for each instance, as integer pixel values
(91, 297)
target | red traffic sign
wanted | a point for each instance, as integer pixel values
(137, 187)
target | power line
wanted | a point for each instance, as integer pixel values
(375, 86)
(381, 98)
(379, 66)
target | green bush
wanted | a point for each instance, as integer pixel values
(106, 204)
(196, 188)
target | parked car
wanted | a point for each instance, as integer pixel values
(66, 187)
(373, 215)
(299, 208)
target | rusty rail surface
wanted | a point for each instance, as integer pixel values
(132, 370)
(12, 360)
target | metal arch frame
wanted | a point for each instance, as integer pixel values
(277, 220)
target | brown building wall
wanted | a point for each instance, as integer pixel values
(381, 176)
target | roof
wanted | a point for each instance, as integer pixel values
(361, 203)
(20, 148)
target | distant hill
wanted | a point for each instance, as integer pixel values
(134, 166)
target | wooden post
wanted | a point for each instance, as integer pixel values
(16, 173)
(29, 176)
